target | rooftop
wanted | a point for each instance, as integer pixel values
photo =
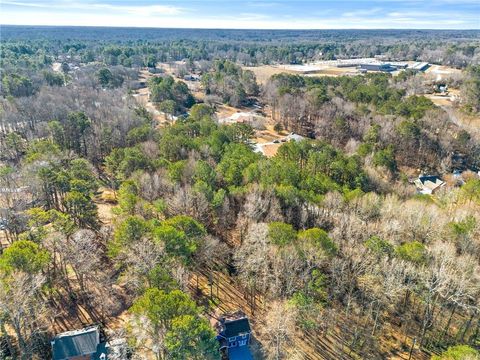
(79, 342)
(424, 179)
(236, 327)
(429, 183)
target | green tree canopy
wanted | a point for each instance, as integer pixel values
(24, 255)
(130, 230)
(180, 236)
(412, 251)
(281, 234)
(161, 308)
(319, 238)
(379, 246)
(191, 338)
(235, 160)
(458, 352)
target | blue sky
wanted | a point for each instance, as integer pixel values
(240, 14)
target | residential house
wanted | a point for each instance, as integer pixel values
(234, 335)
(428, 184)
(84, 344)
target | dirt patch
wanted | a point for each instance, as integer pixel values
(441, 72)
(270, 150)
(268, 135)
(267, 142)
(440, 100)
(264, 72)
(226, 111)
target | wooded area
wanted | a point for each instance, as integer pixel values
(107, 217)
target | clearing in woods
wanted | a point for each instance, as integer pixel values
(264, 72)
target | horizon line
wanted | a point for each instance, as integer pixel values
(254, 29)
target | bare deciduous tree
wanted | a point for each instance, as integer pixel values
(278, 330)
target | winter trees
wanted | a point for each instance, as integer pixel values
(230, 82)
(279, 329)
(324, 241)
(173, 328)
(21, 301)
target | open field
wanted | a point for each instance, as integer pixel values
(332, 68)
(441, 72)
(224, 111)
(264, 72)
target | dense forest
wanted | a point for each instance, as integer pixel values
(327, 246)
(142, 47)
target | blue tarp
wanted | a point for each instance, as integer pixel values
(240, 353)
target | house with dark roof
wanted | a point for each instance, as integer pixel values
(84, 344)
(234, 336)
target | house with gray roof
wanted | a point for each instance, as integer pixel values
(84, 344)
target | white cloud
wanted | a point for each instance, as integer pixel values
(152, 10)
(363, 12)
(144, 10)
(98, 13)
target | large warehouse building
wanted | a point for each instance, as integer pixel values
(386, 67)
(419, 66)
